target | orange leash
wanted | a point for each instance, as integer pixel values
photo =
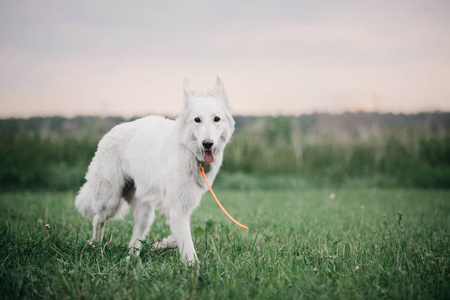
(218, 203)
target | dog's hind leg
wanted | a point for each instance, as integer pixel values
(98, 226)
(144, 215)
(106, 206)
(164, 244)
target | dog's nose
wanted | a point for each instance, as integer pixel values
(207, 143)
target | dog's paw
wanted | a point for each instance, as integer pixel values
(133, 252)
(194, 262)
(164, 244)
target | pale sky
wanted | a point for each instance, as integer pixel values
(129, 58)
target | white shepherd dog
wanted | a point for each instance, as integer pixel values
(153, 163)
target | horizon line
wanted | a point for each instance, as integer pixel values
(171, 116)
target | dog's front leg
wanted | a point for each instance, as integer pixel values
(181, 232)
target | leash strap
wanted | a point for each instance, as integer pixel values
(202, 170)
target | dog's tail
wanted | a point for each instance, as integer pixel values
(84, 201)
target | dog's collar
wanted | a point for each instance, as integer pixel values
(205, 166)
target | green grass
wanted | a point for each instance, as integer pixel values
(399, 239)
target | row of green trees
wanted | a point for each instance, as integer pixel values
(414, 150)
(399, 155)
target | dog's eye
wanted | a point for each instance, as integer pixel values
(216, 119)
(197, 120)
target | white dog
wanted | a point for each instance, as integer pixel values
(153, 163)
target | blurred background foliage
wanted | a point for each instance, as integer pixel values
(266, 152)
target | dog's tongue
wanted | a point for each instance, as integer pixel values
(208, 156)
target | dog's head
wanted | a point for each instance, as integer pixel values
(207, 122)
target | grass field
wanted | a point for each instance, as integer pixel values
(359, 244)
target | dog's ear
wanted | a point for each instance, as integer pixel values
(187, 88)
(219, 89)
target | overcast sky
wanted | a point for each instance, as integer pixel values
(275, 57)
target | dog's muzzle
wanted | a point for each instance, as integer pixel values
(208, 152)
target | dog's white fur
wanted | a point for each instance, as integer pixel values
(153, 163)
